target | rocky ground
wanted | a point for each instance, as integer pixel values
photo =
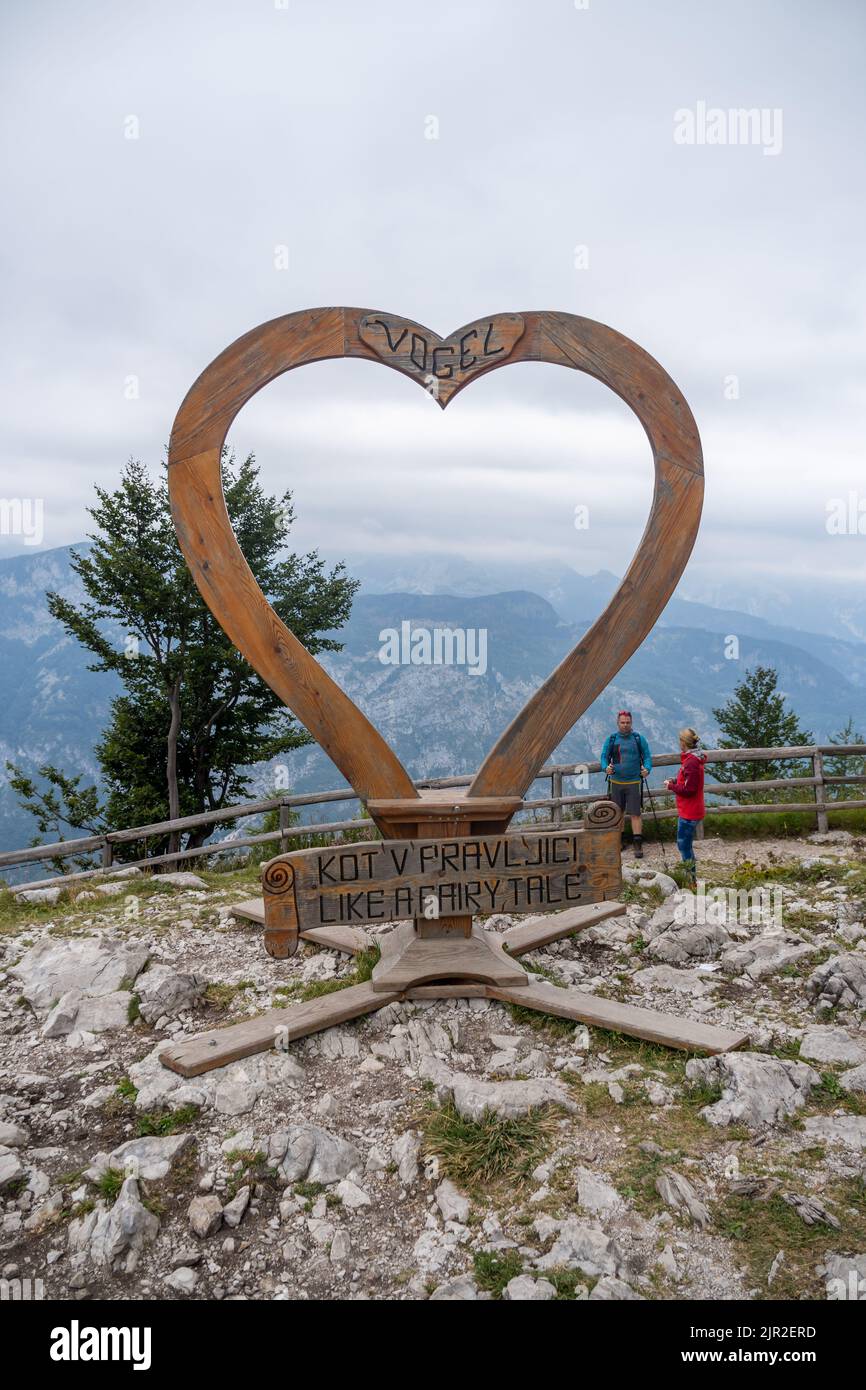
(454, 1149)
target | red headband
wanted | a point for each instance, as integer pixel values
(626, 712)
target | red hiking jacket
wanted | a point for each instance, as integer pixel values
(689, 787)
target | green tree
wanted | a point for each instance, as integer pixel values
(61, 804)
(837, 765)
(756, 717)
(193, 714)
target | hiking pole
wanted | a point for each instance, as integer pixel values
(656, 821)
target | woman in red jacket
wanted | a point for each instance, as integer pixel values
(689, 787)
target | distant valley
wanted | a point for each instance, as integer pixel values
(440, 719)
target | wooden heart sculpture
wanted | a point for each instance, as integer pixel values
(443, 366)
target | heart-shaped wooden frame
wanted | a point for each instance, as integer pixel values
(443, 367)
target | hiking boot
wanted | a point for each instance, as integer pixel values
(638, 847)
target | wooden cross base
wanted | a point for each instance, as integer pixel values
(481, 966)
(408, 960)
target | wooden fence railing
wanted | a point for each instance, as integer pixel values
(559, 802)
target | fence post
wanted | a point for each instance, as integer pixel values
(820, 791)
(556, 791)
(107, 853)
(284, 828)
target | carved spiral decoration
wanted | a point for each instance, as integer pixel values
(278, 876)
(603, 815)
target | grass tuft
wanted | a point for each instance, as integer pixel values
(493, 1271)
(477, 1153)
(110, 1183)
(163, 1122)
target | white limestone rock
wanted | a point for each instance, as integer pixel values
(13, 1136)
(473, 1096)
(233, 1211)
(608, 1289)
(313, 1154)
(205, 1215)
(757, 1091)
(351, 1195)
(668, 978)
(404, 1152)
(150, 1157)
(684, 945)
(847, 1130)
(595, 1195)
(164, 991)
(182, 1280)
(39, 895)
(766, 954)
(78, 1013)
(462, 1289)
(578, 1246)
(179, 879)
(230, 1090)
(677, 1192)
(12, 1170)
(821, 1043)
(524, 1289)
(452, 1204)
(91, 966)
(854, 1080)
(839, 981)
(113, 1238)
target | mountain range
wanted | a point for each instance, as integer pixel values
(440, 719)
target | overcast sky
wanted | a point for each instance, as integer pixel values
(306, 125)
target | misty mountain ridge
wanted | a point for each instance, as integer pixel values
(441, 719)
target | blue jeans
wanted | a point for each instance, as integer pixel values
(685, 838)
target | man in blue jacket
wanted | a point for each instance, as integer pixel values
(626, 758)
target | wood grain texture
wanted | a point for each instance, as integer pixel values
(350, 940)
(409, 960)
(230, 590)
(313, 890)
(529, 936)
(659, 560)
(441, 365)
(276, 1028)
(668, 1029)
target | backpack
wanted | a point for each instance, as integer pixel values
(614, 746)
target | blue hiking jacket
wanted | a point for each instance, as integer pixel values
(627, 752)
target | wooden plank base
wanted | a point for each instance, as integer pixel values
(275, 1028)
(351, 940)
(475, 968)
(281, 1026)
(530, 936)
(622, 1018)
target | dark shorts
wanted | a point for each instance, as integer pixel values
(627, 797)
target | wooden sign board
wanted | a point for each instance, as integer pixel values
(389, 880)
(442, 365)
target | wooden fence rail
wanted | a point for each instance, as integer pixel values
(557, 802)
